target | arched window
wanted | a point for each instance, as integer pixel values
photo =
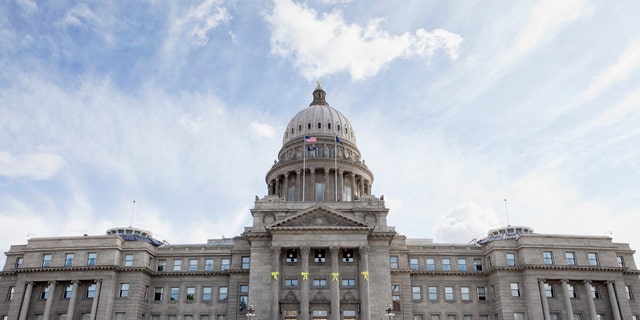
(329, 126)
(338, 127)
(309, 126)
(319, 125)
(291, 130)
(299, 127)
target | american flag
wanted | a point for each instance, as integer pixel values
(309, 139)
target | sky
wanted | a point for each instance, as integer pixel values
(166, 115)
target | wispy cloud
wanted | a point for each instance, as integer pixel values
(37, 166)
(78, 16)
(198, 23)
(323, 45)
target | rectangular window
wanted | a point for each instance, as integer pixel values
(393, 261)
(91, 291)
(555, 316)
(446, 264)
(518, 316)
(291, 193)
(206, 293)
(319, 191)
(433, 293)
(68, 259)
(45, 293)
(416, 293)
(319, 282)
(515, 289)
(174, 293)
(465, 294)
(208, 264)
(46, 260)
(191, 293)
(91, 258)
(346, 195)
(593, 258)
(448, 293)
(246, 263)
(577, 316)
(620, 260)
(124, 290)
(222, 293)
(572, 291)
(193, 264)
(482, 293)
(347, 255)
(244, 297)
(292, 256)
(548, 291)
(467, 317)
(477, 264)
(462, 264)
(221, 317)
(291, 282)
(12, 291)
(67, 291)
(177, 264)
(19, 261)
(413, 263)
(571, 258)
(431, 264)
(435, 317)
(157, 294)
(128, 260)
(595, 292)
(348, 283)
(225, 263)
(547, 257)
(319, 256)
(162, 265)
(629, 292)
(600, 316)
(511, 258)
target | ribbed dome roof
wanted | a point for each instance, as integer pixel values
(319, 119)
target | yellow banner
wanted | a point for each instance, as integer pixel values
(275, 275)
(305, 275)
(335, 276)
(365, 274)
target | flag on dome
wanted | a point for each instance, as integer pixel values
(338, 140)
(309, 139)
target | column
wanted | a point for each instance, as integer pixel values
(543, 298)
(623, 303)
(614, 302)
(47, 306)
(275, 283)
(567, 299)
(353, 186)
(72, 299)
(592, 305)
(313, 184)
(285, 187)
(326, 184)
(25, 301)
(361, 186)
(340, 184)
(364, 284)
(298, 185)
(335, 285)
(304, 286)
(96, 298)
(367, 185)
(278, 191)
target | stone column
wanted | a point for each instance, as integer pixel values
(567, 299)
(304, 286)
(592, 305)
(543, 298)
(623, 303)
(49, 303)
(353, 186)
(326, 184)
(25, 301)
(614, 302)
(340, 184)
(298, 185)
(278, 187)
(72, 300)
(361, 186)
(364, 284)
(313, 183)
(275, 283)
(96, 298)
(335, 285)
(285, 186)
(367, 185)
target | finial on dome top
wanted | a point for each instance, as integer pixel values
(318, 96)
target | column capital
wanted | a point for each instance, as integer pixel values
(286, 174)
(312, 170)
(305, 250)
(340, 170)
(541, 280)
(53, 282)
(276, 250)
(364, 250)
(97, 281)
(564, 281)
(298, 171)
(353, 174)
(586, 281)
(75, 281)
(334, 250)
(326, 170)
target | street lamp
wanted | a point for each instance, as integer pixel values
(250, 312)
(388, 312)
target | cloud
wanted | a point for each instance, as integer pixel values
(36, 166)
(263, 130)
(465, 222)
(201, 20)
(326, 45)
(78, 16)
(28, 6)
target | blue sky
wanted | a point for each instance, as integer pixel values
(181, 107)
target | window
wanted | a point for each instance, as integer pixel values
(162, 265)
(319, 282)
(577, 316)
(177, 264)
(187, 317)
(19, 261)
(629, 292)
(319, 151)
(204, 317)
(191, 293)
(68, 259)
(448, 293)
(291, 282)
(124, 290)
(595, 293)
(465, 294)
(572, 291)
(319, 256)
(451, 317)
(224, 264)
(119, 316)
(246, 262)
(620, 261)
(45, 293)
(462, 264)
(511, 258)
(309, 126)
(482, 293)
(244, 297)
(221, 317)
(319, 125)
(347, 255)
(477, 264)
(433, 293)
(467, 317)
(67, 291)
(87, 316)
(206, 293)
(395, 296)
(348, 283)
(435, 317)
(515, 289)
(393, 261)
(91, 258)
(91, 291)
(484, 317)
(193, 264)
(446, 264)
(518, 316)
(547, 257)
(12, 291)
(555, 316)
(46, 260)
(292, 256)
(600, 316)
(128, 260)
(319, 189)
(431, 264)
(416, 293)
(63, 316)
(291, 193)
(571, 258)
(208, 264)
(413, 264)
(157, 294)
(222, 293)
(548, 291)
(174, 293)
(593, 258)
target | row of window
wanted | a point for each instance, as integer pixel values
(320, 256)
(445, 264)
(194, 264)
(66, 294)
(68, 260)
(319, 126)
(516, 316)
(550, 290)
(205, 294)
(569, 258)
(447, 292)
(345, 283)
(122, 316)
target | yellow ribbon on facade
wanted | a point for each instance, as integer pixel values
(305, 275)
(365, 274)
(275, 275)
(335, 276)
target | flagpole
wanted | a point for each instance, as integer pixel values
(335, 162)
(304, 164)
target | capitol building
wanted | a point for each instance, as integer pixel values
(319, 247)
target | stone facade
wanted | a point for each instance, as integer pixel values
(320, 248)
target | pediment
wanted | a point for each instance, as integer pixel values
(318, 217)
